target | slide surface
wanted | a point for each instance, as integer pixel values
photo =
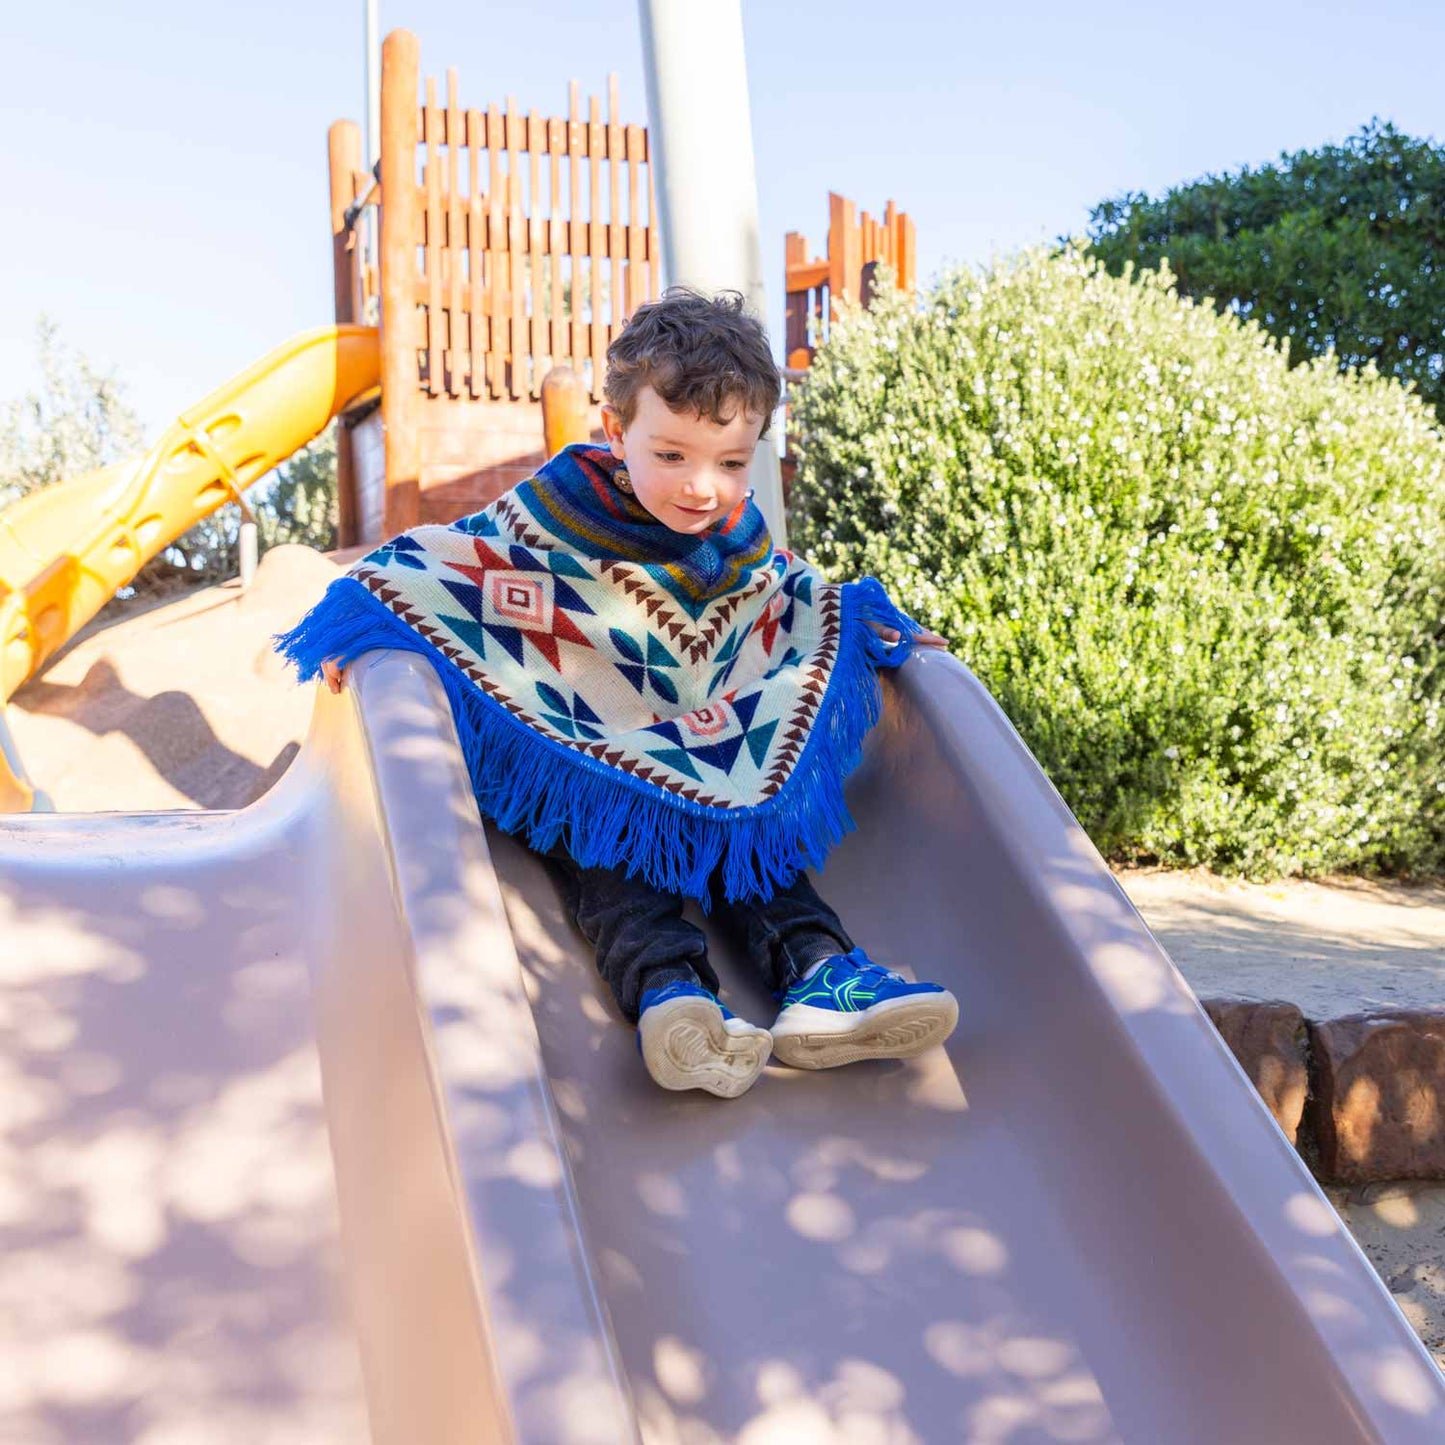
(1076, 1223)
(64, 550)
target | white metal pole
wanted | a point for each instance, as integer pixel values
(701, 139)
(249, 548)
(371, 238)
(373, 85)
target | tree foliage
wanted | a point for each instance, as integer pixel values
(1341, 248)
(75, 420)
(296, 503)
(1205, 586)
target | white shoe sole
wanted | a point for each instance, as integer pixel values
(687, 1044)
(900, 1028)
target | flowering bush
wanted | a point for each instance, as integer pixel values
(1206, 588)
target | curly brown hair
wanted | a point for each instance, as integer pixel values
(699, 353)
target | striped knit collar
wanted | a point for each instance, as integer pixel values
(590, 515)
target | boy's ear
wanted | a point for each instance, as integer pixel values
(612, 429)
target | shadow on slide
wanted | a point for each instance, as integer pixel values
(1076, 1223)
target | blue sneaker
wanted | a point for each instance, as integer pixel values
(688, 1040)
(849, 1009)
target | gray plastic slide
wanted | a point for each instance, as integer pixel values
(318, 1126)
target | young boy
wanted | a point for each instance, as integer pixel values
(719, 693)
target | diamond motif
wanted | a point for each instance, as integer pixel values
(519, 599)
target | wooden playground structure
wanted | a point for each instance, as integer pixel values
(510, 244)
(857, 245)
(511, 247)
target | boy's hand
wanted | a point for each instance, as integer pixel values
(334, 673)
(923, 639)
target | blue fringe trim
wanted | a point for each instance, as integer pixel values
(607, 818)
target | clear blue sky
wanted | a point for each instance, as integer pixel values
(164, 163)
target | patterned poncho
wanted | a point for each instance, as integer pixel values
(669, 703)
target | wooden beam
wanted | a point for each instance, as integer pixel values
(343, 147)
(803, 276)
(400, 236)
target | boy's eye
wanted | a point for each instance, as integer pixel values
(736, 466)
(668, 456)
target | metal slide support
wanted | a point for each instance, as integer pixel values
(702, 151)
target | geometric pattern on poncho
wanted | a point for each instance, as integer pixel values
(643, 666)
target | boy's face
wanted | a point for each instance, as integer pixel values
(688, 471)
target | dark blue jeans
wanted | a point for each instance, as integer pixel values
(643, 941)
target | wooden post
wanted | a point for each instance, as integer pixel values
(434, 243)
(615, 234)
(539, 343)
(497, 265)
(795, 303)
(343, 145)
(906, 263)
(476, 317)
(557, 346)
(400, 236)
(517, 378)
(455, 245)
(576, 227)
(596, 244)
(845, 258)
(564, 410)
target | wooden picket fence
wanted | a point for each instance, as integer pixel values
(509, 244)
(527, 258)
(856, 245)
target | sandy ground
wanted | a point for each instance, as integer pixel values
(185, 706)
(182, 705)
(1332, 948)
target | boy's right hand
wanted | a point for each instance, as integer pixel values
(334, 674)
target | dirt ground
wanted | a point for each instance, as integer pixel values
(177, 705)
(183, 705)
(1332, 948)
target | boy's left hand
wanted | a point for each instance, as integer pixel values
(923, 639)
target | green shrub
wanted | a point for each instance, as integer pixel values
(1205, 587)
(1333, 249)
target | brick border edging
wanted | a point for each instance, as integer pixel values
(1362, 1096)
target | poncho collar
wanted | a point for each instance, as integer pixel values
(577, 493)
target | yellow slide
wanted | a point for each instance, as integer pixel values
(66, 549)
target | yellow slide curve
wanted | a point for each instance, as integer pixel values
(65, 550)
